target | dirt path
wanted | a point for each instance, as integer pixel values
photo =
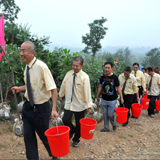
(139, 140)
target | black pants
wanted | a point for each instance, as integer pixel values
(152, 104)
(35, 121)
(140, 94)
(67, 120)
(128, 99)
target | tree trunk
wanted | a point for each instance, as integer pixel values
(7, 86)
(15, 96)
(1, 94)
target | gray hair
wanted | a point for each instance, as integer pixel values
(32, 46)
(78, 58)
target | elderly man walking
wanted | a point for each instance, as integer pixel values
(39, 88)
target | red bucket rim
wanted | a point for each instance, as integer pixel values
(88, 124)
(48, 135)
(133, 105)
(144, 99)
(125, 109)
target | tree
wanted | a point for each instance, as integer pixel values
(10, 10)
(92, 39)
(16, 34)
(152, 58)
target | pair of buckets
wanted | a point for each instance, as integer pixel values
(122, 112)
(58, 137)
(145, 103)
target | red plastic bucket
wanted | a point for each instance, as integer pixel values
(87, 127)
(158, 105)
(145, 103)
(58, 138)
(136, 109)
(122, 114)
(145, 96)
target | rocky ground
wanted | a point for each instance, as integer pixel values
(139, 140)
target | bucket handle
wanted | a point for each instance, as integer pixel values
(57, 127)
(124, 106)
(85, 117)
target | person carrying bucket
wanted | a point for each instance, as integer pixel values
(156, 70)
(39, 87)
(108, 83)
(128, 84)
(145, 74)
(76, 89)
(153, 85)
(140, 82)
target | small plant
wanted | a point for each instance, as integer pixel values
(130, 135)
(121, 136)
(139, 124)
(2, 146)
(10, 128)
(19, 143)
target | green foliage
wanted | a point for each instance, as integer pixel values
(59, 62)
(152, 58)
(40, 42)
(119, 67)
(16, 34)
(94, 68)
(122, 56)
(92, 39)
(10, 10)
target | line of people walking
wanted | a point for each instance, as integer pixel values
(39, 87)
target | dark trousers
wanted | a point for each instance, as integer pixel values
(152, 104)
(35, 121)
(140, 94)
(67, 120)
(128, 99)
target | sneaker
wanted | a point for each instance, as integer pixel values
(152, 115)
(75, 144)
(104, 130)
(114, 127)
(156, 111)
(125, 124)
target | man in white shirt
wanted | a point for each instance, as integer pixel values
(153, 85)
(76, 89)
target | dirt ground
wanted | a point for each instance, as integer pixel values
(139, 140)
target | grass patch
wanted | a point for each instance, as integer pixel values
(138, 124)
(2, 146)
(10, 128)
(130, 135)
(121, 136)
(19, 143)
(4, 129)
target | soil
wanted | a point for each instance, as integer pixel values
(140, 139)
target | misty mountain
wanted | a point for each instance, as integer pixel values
(112, 49)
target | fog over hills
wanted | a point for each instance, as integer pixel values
(112, 49)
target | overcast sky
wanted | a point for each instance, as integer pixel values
(132, 23)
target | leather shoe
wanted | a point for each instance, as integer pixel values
(134, 117)
(55, 158)
(104, 130)
(125, 124)
(114, 127)
(156, 111)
